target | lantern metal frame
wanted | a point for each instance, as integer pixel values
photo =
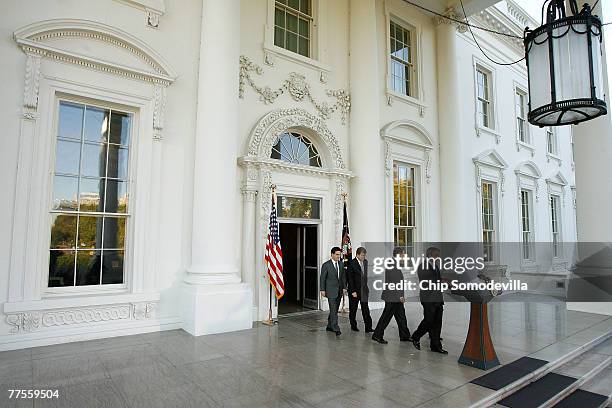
(556, 18)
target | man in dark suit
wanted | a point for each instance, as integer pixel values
(357, 277)
(432, 301)
(394, 304)
(333, 287)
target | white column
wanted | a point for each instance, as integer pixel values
(367, 199)
(593, 162)
(248, 240)
(214, 299)
(455, 182)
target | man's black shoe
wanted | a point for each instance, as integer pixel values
(439, 350)
(369, 330)
(406, 339)
(416, 344)
(354, 329)
(338, 332)
(381, 341)
(328, 329)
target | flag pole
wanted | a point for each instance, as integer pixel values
(343, 307)
(269, 321)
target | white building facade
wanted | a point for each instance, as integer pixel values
(142, 139)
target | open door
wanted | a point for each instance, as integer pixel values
(310, 267)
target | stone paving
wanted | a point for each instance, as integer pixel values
(293, 364)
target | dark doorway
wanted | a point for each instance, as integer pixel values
(299, 243)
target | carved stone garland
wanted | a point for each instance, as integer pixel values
(298, 89)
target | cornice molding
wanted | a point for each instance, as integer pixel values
(32, 38)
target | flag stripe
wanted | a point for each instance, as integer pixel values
(274, 255)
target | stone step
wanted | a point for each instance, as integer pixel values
(574, 358)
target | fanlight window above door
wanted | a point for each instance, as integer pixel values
(294, 148)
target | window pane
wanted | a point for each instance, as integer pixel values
(292, 23)
(67, 156)
(94, 160)
(304, 29)
(305, 6)
(294, 4)
(117, 162)
(91, 195)
(65, 193)
(291, 41)
(96, 124)
(279, 17)
(116, 196)
(279, 37)
(120, 128)
(63, 231)
(304, 47)
(70, 121)
(112, 267)
(88, 267)
(90, 232)
(114, 233)
(61, 268)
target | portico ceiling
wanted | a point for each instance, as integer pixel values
(441, 6)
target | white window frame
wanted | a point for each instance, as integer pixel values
(520, 114)
(410, 143)
(531, 223)
(129, 230)
(528, 176)
(556, 220)
(300, 16)
(495, 213)
(318, 55)
(490, 167)
(492, 128)
(415, 189)
(527, 144)
(398, 16)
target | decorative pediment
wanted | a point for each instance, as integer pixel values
(490, 158)
(267, 130)
(408, 132)
(528, 169)
(557, 178)
(96, 46)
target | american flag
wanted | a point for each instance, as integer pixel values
(274, 255)
(347, 251)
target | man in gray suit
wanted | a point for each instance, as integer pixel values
(333, 287)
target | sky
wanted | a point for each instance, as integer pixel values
(534, 7)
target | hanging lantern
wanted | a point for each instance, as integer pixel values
(564, 66)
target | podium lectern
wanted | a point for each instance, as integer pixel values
(478, 350)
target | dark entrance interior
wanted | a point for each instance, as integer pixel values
(299, 243)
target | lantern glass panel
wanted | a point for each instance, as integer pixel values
(539, 73)
(571, 59)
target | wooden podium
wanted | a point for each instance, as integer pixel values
(478, 350)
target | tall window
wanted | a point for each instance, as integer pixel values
(551, 142)
(89, 210)
(404, 207)
(488, 220)
(401, 65)
(483, 98)
(555, 225)
(294, 148)
(293, 26)
(521, 116)
(526, 224)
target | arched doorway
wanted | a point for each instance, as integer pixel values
(295, 151)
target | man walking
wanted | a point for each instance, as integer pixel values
(394, 304)
(358, 291)
(333, 287)
(432, 301)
